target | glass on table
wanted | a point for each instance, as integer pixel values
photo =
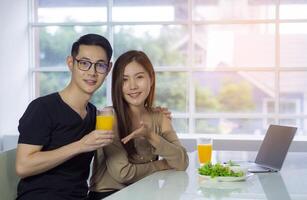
(105, 118)
(204, 149)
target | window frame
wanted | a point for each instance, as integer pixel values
(190, 115)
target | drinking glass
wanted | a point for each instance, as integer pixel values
(105, 118)
(204, 148)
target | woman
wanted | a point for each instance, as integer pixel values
(141, 134)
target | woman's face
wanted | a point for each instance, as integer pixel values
(136, 84)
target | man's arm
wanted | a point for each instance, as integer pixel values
(30, 160)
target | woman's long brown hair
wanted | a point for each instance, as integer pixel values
(120, 105)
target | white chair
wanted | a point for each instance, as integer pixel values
(9, 142)
(8, 177)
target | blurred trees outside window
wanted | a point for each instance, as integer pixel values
(219, 69)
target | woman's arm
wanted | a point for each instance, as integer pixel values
(125, 172)
(116, 159)
(164, 140)
(167, 145)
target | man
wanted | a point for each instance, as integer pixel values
(57, 132)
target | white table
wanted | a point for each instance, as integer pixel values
(289, 183)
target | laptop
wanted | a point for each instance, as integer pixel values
(273, 149)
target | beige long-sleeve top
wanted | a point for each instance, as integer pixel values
(114, 169)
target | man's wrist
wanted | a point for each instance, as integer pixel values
(76, 147)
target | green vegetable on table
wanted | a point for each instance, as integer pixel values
(231, 163)
(218, 169)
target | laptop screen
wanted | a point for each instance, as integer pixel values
(275, 146)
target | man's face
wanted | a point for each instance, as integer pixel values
(88, 81)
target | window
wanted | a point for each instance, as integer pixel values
(223, 67)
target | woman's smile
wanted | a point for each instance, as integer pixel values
(135, 94)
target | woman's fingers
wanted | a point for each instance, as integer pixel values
(134, 134)
(128, 137)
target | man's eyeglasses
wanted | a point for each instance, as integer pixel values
(85, 65)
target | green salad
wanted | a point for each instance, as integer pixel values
(218, 169)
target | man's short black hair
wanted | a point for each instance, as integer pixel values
(92, 39)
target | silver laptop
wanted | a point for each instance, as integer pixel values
(273, 149)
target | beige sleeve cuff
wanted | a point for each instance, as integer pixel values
(175, 155)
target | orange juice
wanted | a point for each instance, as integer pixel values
(104, 122)
(204, 152)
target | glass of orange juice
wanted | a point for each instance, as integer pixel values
(204, 148)
(105, 118)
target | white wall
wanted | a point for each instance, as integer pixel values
(14, 61)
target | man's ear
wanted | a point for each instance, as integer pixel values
(70, 62)
(110, 66)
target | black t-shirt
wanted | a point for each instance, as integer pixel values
(50, 122)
